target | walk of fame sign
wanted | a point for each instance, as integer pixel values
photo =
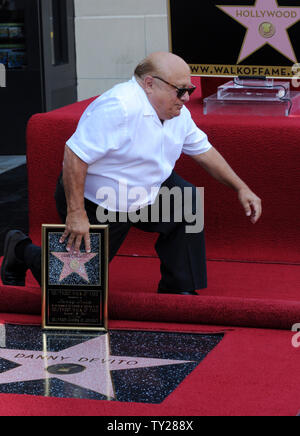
(125, 366)
(75, 285)
(237, 37)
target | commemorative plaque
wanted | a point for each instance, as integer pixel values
(75, 285)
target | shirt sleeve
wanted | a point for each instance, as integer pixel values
(196, 141)
(101, 128)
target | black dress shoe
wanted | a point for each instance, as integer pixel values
(178, 292)
(13, 270)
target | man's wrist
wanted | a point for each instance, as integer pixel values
(78, 211)
(241, 187)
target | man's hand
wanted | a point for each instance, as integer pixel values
(251, 203)
(77, 228)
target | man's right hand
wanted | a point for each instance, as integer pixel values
(77, 228)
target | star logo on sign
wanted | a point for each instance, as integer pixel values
(87, 365)
(266, 23)
(74, 263)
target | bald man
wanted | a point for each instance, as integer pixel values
(117, 164)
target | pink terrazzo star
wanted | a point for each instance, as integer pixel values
(74, 263)
(266, 23)
(91, 361)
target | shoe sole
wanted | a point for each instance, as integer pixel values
(178, 293)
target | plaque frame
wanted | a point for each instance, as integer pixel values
(58, 294)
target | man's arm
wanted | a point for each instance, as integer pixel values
(77, 222)
(216, 166)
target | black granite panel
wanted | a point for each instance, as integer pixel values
(127, 366)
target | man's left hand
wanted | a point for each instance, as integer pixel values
(251, 203)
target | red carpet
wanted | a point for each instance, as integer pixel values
(253, 274)
(251, 372)
(239, 294)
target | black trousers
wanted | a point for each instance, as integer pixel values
(182, 254)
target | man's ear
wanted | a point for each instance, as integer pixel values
(148, 84)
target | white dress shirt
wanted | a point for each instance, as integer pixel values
(129, 151)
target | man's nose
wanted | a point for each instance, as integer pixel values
(185, 98)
